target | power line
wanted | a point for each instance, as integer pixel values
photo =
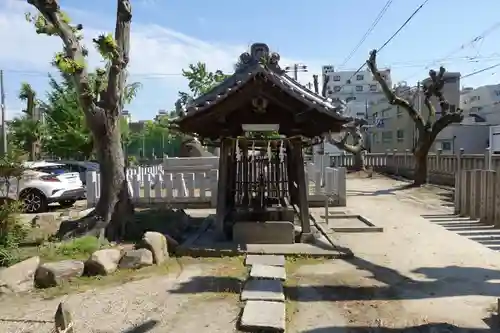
(479, 71)
(469, 43)
(368, 32)
(390, 39)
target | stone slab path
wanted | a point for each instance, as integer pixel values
(264, 259)
(263, 296)
(415, 272)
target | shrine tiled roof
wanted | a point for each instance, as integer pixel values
(260, 62)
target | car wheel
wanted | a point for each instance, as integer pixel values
(34, 202)
(67, 203)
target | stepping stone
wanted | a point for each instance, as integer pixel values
(264, 259)
(264, 316)
(263, 290)
(259, 271)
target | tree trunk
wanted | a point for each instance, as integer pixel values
(359, 161)
(421, 153)
(114, 208)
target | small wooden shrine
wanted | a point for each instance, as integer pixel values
(261, 119)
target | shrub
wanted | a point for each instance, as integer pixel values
(12, 231)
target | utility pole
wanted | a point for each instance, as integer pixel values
(295, 69)
(2, 105)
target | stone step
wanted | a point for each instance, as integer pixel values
(263, 290)
(259, 271)
(262, 315)
(265, 259)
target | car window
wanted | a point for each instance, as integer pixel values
(52, 169)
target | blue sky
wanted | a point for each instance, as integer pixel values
(167, 35)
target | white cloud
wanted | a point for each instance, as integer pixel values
(155, 50)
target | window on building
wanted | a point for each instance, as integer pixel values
(336, 88)
(360, 114)
(348, 82)
(359, 88)
(386, 137)
(336, 78)
(375, 138)
(446, 146)
(399, 112)
(400, 135)
(373, 87)
(360, 77)
(497, 92)
(384, 114)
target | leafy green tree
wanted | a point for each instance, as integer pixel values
(102, 104)
(26, 131)
(200, 81)
(67, 131)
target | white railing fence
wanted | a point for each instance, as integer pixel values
(195, 180)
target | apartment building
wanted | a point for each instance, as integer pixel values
(392, 127)
(481, 104)
(354, 86)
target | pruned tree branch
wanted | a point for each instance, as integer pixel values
(57, 23)
(389, 93)
(119, 60)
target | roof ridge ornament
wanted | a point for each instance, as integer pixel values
(260, 54)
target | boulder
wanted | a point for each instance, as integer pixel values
(52, 274)
(136, 259)
(157, 244)
(19, 277)
(103, 262)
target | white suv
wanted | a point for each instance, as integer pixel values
(43, 183)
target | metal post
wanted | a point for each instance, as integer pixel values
(2, 105)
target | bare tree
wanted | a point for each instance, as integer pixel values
(429, 128)
(351, 130)
(101, 97)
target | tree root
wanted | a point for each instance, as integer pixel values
(89, 225)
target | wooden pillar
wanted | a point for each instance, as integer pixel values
(291, 175)
(221, 208)
(246, 175)
(302, 203)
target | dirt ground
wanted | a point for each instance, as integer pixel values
(415, 272)
(202, 297)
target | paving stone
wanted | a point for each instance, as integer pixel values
(263, 315)
(263, 290)
(259, 271)
(265, 259)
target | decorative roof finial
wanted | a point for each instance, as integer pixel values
(260, 54)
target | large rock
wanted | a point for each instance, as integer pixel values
(103, 262)
(52, 274)
(136, 259)
(19, 277)
(157, 244)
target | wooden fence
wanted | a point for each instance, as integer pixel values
(477, 194)
(193, 181)
(442, 167)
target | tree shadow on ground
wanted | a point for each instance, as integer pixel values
(427, 328)
(210, 284)
(473, 229)
(448, 281)
(144, 327)
(389, 191)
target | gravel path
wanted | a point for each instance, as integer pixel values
(160, 304)
(415, 272)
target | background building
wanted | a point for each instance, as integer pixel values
(352, 86)
(481, 105)
(392, 127)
